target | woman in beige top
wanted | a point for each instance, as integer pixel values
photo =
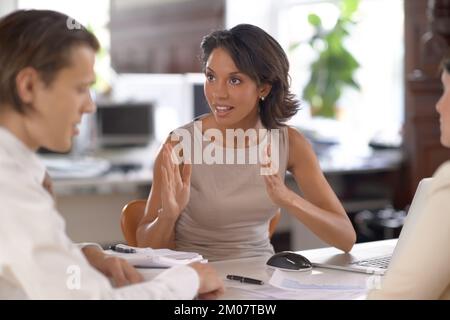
(422, 271)
(222, 208)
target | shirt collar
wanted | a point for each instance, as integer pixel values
(24, 156)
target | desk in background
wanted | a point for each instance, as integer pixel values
(91, 206)
(363, 179)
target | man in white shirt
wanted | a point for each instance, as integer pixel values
(47, 64)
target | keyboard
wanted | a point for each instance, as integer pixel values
(377, 262)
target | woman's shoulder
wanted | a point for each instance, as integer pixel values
(300, 148)
(189, 130)
(441, 178)
(297, 140)
(202, 120)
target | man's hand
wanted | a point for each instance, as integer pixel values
(211, 286)
(121, 272)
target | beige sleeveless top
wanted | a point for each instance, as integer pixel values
(229, 210)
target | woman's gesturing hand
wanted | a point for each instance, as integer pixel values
(278, 192)
(176, 187)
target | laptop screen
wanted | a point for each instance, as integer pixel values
(125, 124)
(415, 211)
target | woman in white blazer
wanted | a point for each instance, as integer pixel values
(422, 271)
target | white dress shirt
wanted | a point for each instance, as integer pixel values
(422, 271)
(39, 261)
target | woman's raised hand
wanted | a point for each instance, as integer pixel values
(176, 187)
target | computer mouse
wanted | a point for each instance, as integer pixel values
(289, 261)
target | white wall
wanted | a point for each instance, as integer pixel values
(257, 12)
(6, 6)
(171, 94)
(94, 217)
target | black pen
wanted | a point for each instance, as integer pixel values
(244, 279)
(119, 248)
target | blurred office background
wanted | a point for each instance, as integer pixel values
(380, 139)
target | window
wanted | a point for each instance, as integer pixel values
(92, 14)
(377, 42)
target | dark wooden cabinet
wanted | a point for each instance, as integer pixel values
(427, 39)
(161, 36)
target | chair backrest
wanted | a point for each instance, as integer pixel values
(133, 212)
(129, 220)
(273, 223)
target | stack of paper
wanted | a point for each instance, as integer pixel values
(319, 285)
(157, 258)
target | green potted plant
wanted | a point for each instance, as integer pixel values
(335, 66)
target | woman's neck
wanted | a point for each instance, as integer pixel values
(249, 122)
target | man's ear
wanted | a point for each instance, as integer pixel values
(264, 90)
(26, 82)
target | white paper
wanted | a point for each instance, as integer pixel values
(319, 285)
(314, 285)
(157, 258)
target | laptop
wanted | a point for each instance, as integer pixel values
(376, 260)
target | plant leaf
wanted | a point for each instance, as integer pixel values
(314, 20)
(334, 68)
(348, 8)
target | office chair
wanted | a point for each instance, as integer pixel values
(133, 212)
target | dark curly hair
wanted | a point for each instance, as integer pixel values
(260, 56)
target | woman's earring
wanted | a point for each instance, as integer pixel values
(262, 98)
